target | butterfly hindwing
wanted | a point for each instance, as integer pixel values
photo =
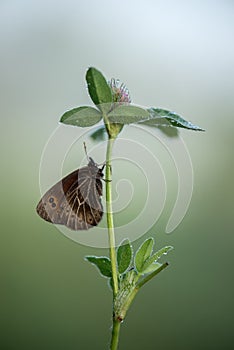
(75, 200)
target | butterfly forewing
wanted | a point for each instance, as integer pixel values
(75, 200)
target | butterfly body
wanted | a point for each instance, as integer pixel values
(75, 201)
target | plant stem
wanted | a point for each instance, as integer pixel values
(109, 214)
(111, 235)
(115, 334)
(150, 276)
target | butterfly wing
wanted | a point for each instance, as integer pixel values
(75, 200)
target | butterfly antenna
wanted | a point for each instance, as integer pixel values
(85, 149)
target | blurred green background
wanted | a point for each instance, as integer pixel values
(173, 54)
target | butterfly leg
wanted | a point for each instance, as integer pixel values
(106, 180)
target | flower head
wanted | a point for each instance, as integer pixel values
(119, 91)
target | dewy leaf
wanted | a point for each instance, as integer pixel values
(155, 257)
(124, 256)
(99, 89)
(82, 116)
(163, 117)
(103, 264)
(127, 114)
(143, 253)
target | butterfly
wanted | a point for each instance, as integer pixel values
(75, 201)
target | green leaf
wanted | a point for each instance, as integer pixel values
(111, 283)
(163, 117)
(143, 253)
(82, 116)
(149, 276)
(99, 134)
(102, 263)
(127, 114)
(124, 256)
(151, 268)
(99, 89)
(155, 257)
(115, 129)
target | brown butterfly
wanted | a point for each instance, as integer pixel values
(75, 200)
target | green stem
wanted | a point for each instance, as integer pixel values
(150, 276)
(127, 303)
(111, 235)
(131, 296)
(115, 334)
(109, 214)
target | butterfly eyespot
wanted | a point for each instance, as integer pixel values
(75, 201)
(89, 218)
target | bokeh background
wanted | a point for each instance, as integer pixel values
(173, 54)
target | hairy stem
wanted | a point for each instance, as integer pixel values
(109, 214)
